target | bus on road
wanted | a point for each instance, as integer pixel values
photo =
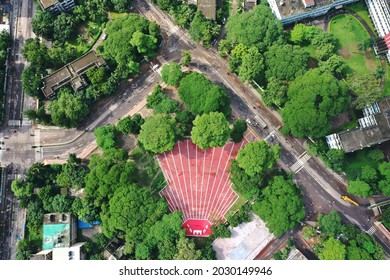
(260, 122)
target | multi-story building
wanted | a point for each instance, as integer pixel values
(208, 7)
(380, 16)
(57, 6)
(374, 128)
(291, 11)
(71, 74)
(59, 238)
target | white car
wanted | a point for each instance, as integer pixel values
(248, 121)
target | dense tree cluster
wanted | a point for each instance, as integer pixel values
(313, 99)
(202, 96)
(142, 42)
(68, 109)
(130, 124)
(186, 16)
(160, 102)
(341, 242)
(280, 205)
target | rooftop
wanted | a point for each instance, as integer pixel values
(365, 137)
(292, 7)
(71, 73)
(48, 3)
(56, 231)
(208, 8)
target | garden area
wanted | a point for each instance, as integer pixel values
(353, 44)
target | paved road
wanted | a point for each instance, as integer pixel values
(321, 187)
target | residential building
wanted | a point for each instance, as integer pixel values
(374, 128)
(297, 255)
(208, 7)
(72, 74)
(291, 11)
(249, 4)
(59, 238)
(57, 6)
(380, 16)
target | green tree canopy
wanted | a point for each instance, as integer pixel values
(69, 109)
(281, 206)
(202, 29)
(365, 87)
(239, 127)
(210, 130)
(106, 137)
(43, 24)
(330, 224)
(258, 27)
(276, 92)
(131, 124)
(132, 211)
(334, 64)
(158, 134)
(359, 188)
(247, 186)
(257, 157)
(202, 96)
(171, 74)
(130, 39)
(285, 62)
(332, 249)
(384, 184)
(313, 99)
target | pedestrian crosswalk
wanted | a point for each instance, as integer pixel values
(298, 165)
(371, 230)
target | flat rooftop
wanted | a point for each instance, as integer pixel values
(359, 138)
(246, 242)
(71, 73)
(292, 7)
(56, 231)
(208, 8)
(48, 3)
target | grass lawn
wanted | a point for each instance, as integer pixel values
(350, 33)
(386, 90)
(150, 174)
(113, 15)
(237, 205)
(360, 8)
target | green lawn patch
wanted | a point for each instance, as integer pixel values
(360, 8)
(386, 89)
(150, 174)
(350, 34)
(114, 15)
(237, 205)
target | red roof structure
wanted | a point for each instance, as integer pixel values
(199, 184)
(387, 40)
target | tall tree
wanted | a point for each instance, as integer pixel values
(258, 27)
(313, 99)
(202, 96)
(171, 74)
(257, 157)
(69, 109)
(202, 29)
(210, 130)
(281, 206)
(359, 188)
(330, 224)
(106, 137)
(332, 249)
(158, 134)
(285, 62)
(366, 89)
(252, 66)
